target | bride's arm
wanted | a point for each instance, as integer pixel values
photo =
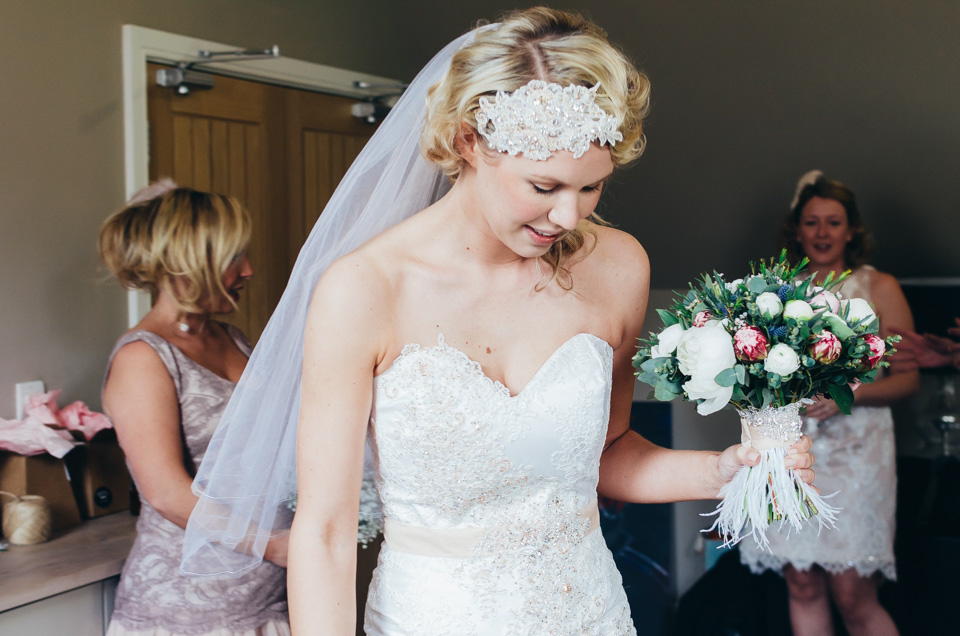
(631, 467)
(342, 345)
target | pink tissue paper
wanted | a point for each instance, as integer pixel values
(46, 427)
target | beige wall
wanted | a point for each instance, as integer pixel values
(747, 95)
(750, 94)
(61, 158)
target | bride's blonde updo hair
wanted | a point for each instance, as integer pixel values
(181, 242)
(543, 44)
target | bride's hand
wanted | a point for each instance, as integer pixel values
(737, 456)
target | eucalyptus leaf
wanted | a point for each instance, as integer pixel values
(674, 386)
(648, 377)
(727, 377)
(756, 285)
(741, 372)
(663, 393)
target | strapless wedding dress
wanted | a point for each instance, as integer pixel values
(490, 500)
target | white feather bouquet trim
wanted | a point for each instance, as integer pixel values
(769, 492)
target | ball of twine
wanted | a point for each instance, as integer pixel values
(26, 519)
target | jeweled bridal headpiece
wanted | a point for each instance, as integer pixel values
(541, 117)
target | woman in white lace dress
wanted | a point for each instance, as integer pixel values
(855, 453)
(487, 342)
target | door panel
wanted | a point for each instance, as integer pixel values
(280, 151)
(326, 139)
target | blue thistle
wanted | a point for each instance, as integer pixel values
(783, 292)
(778, 332)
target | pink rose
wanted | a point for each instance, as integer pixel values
(702, 318)
(826, 348)
(750, 344)
(877, 348)
(825, 300)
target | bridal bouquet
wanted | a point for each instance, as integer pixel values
(764, 344)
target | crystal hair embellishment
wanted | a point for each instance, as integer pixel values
(541, 117)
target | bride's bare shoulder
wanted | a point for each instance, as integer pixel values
(618, 253)
(370, 274)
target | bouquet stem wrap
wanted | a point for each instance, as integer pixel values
(768, 492)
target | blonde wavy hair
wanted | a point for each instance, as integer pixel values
(181, 242)
(545, 44)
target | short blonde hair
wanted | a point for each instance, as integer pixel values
(181, 242)
(545, 44)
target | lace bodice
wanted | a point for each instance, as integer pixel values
(505, 486)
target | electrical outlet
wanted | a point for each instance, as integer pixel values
(24, 391)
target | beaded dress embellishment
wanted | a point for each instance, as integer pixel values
(542, 117)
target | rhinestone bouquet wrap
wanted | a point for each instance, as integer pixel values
(542, 117)
(765, 345)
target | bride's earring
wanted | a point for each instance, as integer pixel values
(184, 327)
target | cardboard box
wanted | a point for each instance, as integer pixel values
(42, 475)
(105, 480)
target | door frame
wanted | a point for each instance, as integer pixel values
(142, 45)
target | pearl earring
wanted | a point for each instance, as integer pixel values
(184, 327)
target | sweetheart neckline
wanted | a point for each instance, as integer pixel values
(441, 345)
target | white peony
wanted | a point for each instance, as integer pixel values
(781, 359)
(799, 310)
(702, 353)
(667, 341)
(714, 396)
(859, 310)
(769, 305)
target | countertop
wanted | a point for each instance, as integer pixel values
(93, 551)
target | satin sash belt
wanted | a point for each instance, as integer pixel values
(453, 542)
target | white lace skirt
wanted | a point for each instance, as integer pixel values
(855, 457)
(574, 590)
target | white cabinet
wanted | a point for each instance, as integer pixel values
(84, 611)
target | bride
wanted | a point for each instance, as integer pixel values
(484, 342)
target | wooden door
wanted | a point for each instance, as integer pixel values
(280, 151)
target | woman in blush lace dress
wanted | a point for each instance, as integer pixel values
(855, 453)
(167, 383)
(484, 340)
